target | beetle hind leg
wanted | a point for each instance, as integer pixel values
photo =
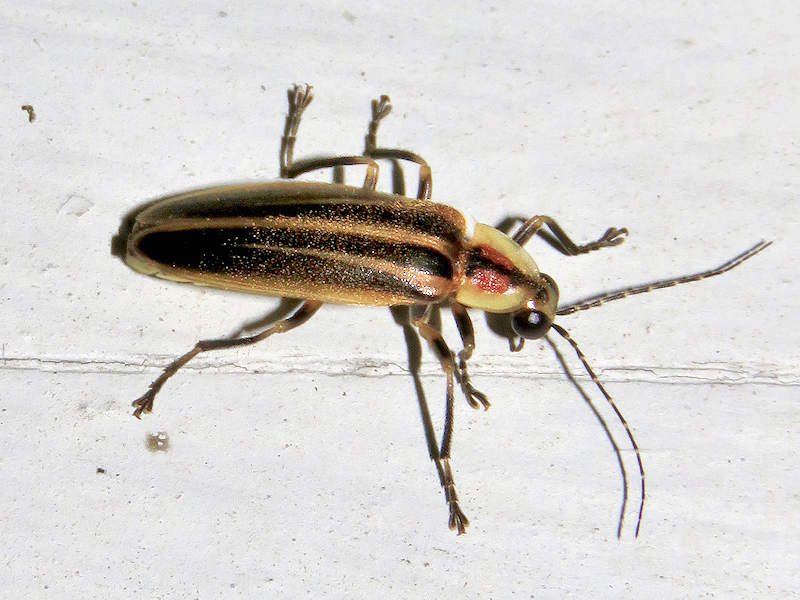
(381, 107)
(300, 316)
(299, 99)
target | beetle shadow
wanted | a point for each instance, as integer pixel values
(119, 242)
(402, 316)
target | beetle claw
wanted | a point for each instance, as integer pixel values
(516, 345)
(474, 397)
(143, 404)
(458, 520)
(381, 107)
(300, 97)
(612, 237)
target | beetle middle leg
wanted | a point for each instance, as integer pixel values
(458, 520)
(300, 316)
(559, 240)
(381, 107)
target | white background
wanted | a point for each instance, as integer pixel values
(298, 468)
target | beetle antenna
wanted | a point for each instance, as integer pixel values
(563, 333)
(603, 423)
(596, 301)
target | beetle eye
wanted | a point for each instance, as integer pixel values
(530, 324)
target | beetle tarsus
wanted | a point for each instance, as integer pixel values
(458, 521)
(612, 237)
(475, 398)
(381, 107)
(144, 404)
(299, 99)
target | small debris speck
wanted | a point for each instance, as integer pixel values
(29, 109)
(158, 441)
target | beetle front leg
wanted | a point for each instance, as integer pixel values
(458, 520)
(300, 316)
(465, 329)
(559, 240)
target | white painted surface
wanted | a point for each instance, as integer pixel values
(298, 468)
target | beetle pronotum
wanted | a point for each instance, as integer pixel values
(334, 243)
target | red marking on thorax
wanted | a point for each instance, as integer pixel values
(491, 281)
(495, 257)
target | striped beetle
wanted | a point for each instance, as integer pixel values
(321, 242)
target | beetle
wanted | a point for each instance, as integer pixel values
(334, 243)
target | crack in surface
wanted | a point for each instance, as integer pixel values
(366, 366)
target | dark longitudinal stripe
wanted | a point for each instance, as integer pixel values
(295, 259)
(315, 201)
(220, 250)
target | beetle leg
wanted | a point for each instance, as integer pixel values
(300, 316)
(458, 519)
(380, 108)
(559, 240)
(299, 99)
(312, 164)
(464, 324)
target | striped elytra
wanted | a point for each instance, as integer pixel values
(335, 244)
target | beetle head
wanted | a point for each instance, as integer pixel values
(534, 320)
